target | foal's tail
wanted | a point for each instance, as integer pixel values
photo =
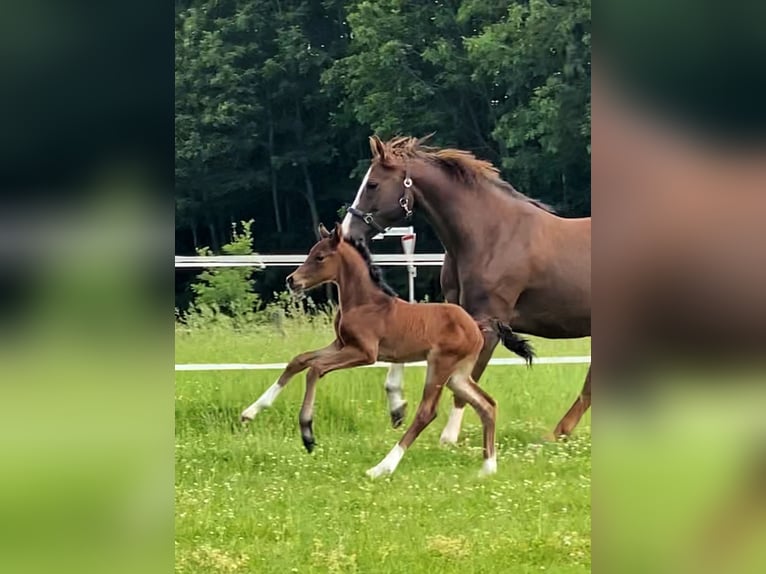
(514, 342)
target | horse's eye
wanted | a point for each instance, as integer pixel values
(371, 185)
(319, 258)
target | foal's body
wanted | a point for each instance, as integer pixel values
(373, 324)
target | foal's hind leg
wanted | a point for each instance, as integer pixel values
(575, 412)
(484, 405)
(451, 432)
(438, 373)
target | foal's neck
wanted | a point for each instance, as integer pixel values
(355, 286)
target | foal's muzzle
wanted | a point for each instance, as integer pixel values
(293, 286)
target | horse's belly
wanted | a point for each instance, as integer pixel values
(551, 317)
(399, 351)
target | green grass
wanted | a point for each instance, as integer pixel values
(251, 499)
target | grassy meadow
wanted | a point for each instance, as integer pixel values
(250, 499)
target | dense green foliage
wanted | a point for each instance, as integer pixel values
(251, 499)
(227, 290)
(275, 100)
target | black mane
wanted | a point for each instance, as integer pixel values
(376, 273)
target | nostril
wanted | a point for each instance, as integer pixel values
(290, 282)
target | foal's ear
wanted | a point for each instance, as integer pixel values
(337, 234)
(323, 233)
(378, 149)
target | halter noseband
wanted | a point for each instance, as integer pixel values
(404, 202)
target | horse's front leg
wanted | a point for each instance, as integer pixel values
(298, 364)
(397, 406)
(343, 358)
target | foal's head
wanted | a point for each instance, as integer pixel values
(324, 261)
(322, 264)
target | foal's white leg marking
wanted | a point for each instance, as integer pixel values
(394, 386)
(388, 464)
(345, 225)
(263, 402)
(489, 466)
(452, 430)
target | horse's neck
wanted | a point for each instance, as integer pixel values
(459, 215)
(355, 287)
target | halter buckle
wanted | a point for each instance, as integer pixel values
(367, 218)
(405, 204)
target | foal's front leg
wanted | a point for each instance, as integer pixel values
(343, 358)
(298, 364)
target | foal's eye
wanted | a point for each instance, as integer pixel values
(319, 258)
(371, 185)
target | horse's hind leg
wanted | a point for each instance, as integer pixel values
(451, 431)
(394, 385)
(464, 387)
(575, 412)
(438, 373)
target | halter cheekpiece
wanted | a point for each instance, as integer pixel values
(404, 202)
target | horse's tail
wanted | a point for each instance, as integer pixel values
(514, 342)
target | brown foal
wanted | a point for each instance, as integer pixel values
(373, 324)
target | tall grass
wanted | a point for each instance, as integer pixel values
(251, 500)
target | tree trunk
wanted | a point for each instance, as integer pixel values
(213, 236)
(310, 198)
(309, 194)
(195, 239)
(274, 194)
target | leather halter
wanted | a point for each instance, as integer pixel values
(404, 202)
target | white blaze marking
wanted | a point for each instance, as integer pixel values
(345, 226)
(394, 385)
(388, 464)
(489, 466)
(452, 430)
(263, 402)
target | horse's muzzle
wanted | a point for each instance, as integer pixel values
(293, 287)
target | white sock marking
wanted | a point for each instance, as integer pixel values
(345, 225)
(388, 464)
(452, 430)
(263, 402)
(489, 466)
(394, 385)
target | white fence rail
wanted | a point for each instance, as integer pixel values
(279, 366)
(261, 261)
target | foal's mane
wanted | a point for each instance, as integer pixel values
(376, 274)
(461, 165)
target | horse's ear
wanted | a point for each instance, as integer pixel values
(425, 138)
(378, 149)
(337, 234)
(323, 233)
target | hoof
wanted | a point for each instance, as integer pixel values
(448, 440)
(309, 443)
(489, 467)
(556, 437)
(377, 472)
(243, 418)
(397, 415)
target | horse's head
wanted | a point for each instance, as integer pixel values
(385, 196)
(322, 264)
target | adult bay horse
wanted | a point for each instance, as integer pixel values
(507, 256)
(373, 323)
